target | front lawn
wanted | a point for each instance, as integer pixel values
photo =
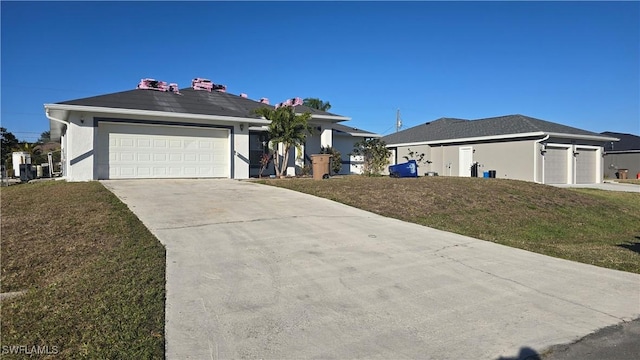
(630, 181)
(92, 276)
(590, 226)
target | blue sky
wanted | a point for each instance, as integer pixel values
(575, 63)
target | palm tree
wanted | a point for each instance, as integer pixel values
(317, 104)
(287, 129)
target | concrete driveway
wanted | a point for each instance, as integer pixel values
(261, 272)
(609, 186)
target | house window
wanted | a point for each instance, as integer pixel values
(257, 148)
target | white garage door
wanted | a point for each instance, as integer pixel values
(555, 165)
(586, 170)
(128, 151)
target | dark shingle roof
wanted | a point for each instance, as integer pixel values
(450, 128)
(353, 130)
(627, 142)
(189, 101)
(303, 109)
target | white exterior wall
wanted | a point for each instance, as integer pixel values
(510, 159)
(80, 157)
(326, 135)
(241, 153)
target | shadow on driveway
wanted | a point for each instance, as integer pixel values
(526, 353)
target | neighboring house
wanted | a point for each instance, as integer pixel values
(186, 133)
(344, 139)
(514, 146)
(624, 154)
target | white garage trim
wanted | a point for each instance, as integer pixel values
(156, 150)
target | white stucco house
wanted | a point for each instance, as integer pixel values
(512, 146)
(165, 133)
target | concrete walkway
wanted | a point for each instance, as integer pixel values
(261, 272)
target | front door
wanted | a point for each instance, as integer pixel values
(465, 161)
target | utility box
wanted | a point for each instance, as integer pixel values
(27, 172)
(19, 158)
(320, 165)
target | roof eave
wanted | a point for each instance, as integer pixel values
(360, 134)
(613, 152)
(138, 112)
(583, 137)
(328, 117)
(469, 139)
(57, 123)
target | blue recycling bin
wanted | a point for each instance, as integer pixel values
(485, 174)
(408, 169)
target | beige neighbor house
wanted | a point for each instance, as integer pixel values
(163, 132)
(624, 154)
(512, 147)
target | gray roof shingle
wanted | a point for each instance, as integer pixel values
(627, 142)
(189, 101)
(350, 130)
(451, 128)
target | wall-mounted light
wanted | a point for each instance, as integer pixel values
(575, 153)
(241, 127)
(82, 119)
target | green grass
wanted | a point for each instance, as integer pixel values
(93, 275)
(590, 226)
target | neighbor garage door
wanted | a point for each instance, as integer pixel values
(586, 169)
(128, 151)
(555, 165)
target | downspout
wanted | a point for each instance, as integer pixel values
(442, 153)
(535, 162)
(55, 119)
